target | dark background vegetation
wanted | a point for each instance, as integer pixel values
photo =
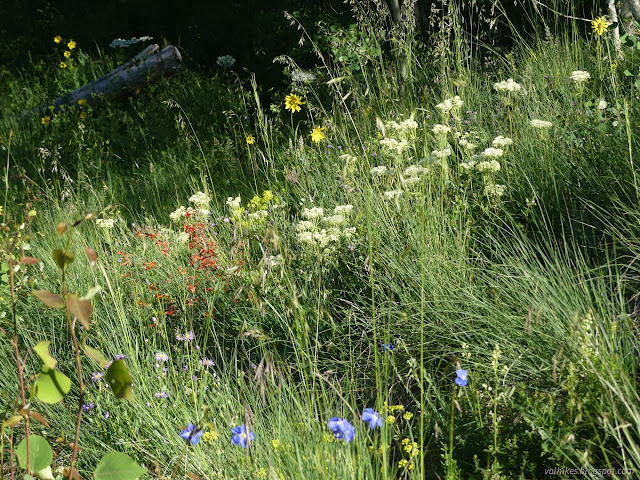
(252, 31)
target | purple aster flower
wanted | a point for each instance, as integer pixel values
(240, 436)
(342, 429)
(108, 364)
(120, 357)
(191, 434)
(161, 395)
(179, 338)
(87, 407)
(161, 357)
(106, 415)
(373, 417)
(188, 336)
(461, 378)
(208, 363)
(95, 376)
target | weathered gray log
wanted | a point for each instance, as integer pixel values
(124, 81)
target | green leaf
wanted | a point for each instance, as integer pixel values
(118, 466)
(119, 379)
(80, 308)
(45, 474)
(92, 292)
(94, 354)
(627, 73)
(52, 386)
(62, 258)
(12, 421)
(40, 454)
(42, 349)
(49, 299)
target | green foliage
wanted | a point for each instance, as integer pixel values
(40, 453)
(118, 466)
(119, 380)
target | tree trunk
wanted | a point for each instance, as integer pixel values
(126, 80)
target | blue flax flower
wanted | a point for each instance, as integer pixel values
(240, 436)
(341, 428)
(373, 417)
(387, 347)
(461, 378)
(190, 434)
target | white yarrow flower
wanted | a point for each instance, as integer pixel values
(177, 214)
(501, 142)
(379, 171)
(535, 123)
(494, 190)
(492, 152)
(226, 61)
(313, 213)
(580, 76)
(507, 86)
(441, 129)
(391, 194)
(491, 166)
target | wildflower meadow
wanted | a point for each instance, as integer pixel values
(413, 255)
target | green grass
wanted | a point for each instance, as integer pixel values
(532, 292)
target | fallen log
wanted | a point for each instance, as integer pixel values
(126, 80)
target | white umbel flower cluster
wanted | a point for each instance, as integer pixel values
(379, 171)
(491, 166)
(450, 104)
(492, 152)
(324, 234)
(501, 142)
(494, 190)
(580, 76)
(507, 86)
(535, 123)
(200, 200)
(178, 213)
(441, 130)
(394, 145)
(226, 61)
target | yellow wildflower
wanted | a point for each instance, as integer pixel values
(402, 463)
(82, 101)
(83, 115)
(391, 419)
(71, 45)
(275, 443)
(57, 39)
(407, 416)
(317, 134)
(600, 25)
(251, 140)
(63, 65)
(45, 120)
(292, 102)
(67, 54)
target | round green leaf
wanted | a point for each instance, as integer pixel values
(40, 454)
(119, 380)
(118, 466)
(52, 386)
(42, 349)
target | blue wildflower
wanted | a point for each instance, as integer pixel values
(342, 429)
(240, 436)
(387, 347)
(373, 417)
(190, 434)
(87, 407)
(461, 378)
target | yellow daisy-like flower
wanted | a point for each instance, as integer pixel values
(251, 139)
(71, 45)
(82, 101)
(292, 102)
(63, 65)
(600, 25)
(83, 115)
(45, 120)
(57, 39)
(67, 54)
(317, 134)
